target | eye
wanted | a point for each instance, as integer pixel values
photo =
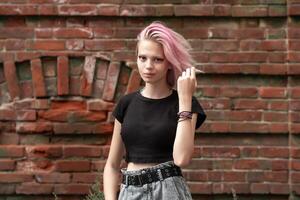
(142, 58)
(158, 60)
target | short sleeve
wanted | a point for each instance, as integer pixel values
(196, 108)
(120, 109)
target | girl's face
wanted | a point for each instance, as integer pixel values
(151, 61)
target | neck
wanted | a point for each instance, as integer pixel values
(155, 92)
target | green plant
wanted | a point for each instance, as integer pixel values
(95, 193)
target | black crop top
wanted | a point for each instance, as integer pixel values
(149, 126)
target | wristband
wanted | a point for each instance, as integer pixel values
(185, 114)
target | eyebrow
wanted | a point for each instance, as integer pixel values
(151, 56)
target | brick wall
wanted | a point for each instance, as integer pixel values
(65, 63)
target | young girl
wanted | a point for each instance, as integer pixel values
(155, 126)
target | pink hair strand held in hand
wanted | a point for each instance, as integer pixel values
(175, 47)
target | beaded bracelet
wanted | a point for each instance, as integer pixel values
(184, 115)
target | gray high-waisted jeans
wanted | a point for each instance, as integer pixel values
(174, 188)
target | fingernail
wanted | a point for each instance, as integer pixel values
(198, 71)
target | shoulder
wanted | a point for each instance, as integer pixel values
(127, 98)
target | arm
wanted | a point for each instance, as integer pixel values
(184, 141)
(112, 166)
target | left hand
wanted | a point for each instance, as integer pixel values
(187, 83)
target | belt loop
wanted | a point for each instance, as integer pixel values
(160, 176)
(126, 180)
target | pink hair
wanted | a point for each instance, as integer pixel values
(175, 46)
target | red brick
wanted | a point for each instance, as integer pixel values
(53, 177)
(220, 127)
(272, 92)
(54, 115)
(221, 152)
(249, 152)
(33, 127)
(234, 176)
(294, 10)
(295, 105)
(9, 138)
(295, 152)
(62, 75)
(75, 44)
(273, 69)
(73, 33)
(105, 45)
(252, 164)
(294, 69)
(295, 188)
(14, 44)
(15, 177)
(72, 189)
(222, 10)
(98, 165)
(9, 151)
(83, 9)
(7, 165)
(33, 188)
(73, 128)
(103, 32)
(238, 92)
(295, 176)
(137, 10)
(200, 188)
(251, 33)
(193, 10)
(7, 189)
(49, 45)
(294, 33)
(295, 92)
(87, 77)
(259, 188)
(277, 10)
(38, 82)
(99, 105)
(279, 189)
(68, 105)
(86, 116)
(85, 177)
(243, 115)
(280, 165)
(43, 151)
(253, 104)
(108, 10)
(8, 114)
(47, 9)
(249, 11)
(81, 151)
(26, 115)
(103, 128)
(278, 176)
(16, 32)
(111, 81)
(72, 166)
(11, 77)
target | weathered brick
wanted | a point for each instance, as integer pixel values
(7, 165)
(81, 151)
(15, 177)
(33, 127)
(33, 188)
(85, 177)
(53, 177)
(11, 151)
(38, 78)
(87, 77)
(73, 128)
(72, 189)
(11, 77)
(99, 105)
(111, 81)
(73, 33)
(62, 75)
(72, 166)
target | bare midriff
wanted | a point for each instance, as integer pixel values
(137, 166)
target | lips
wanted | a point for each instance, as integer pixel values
(148, 74)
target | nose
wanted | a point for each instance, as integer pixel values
(148, 64)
